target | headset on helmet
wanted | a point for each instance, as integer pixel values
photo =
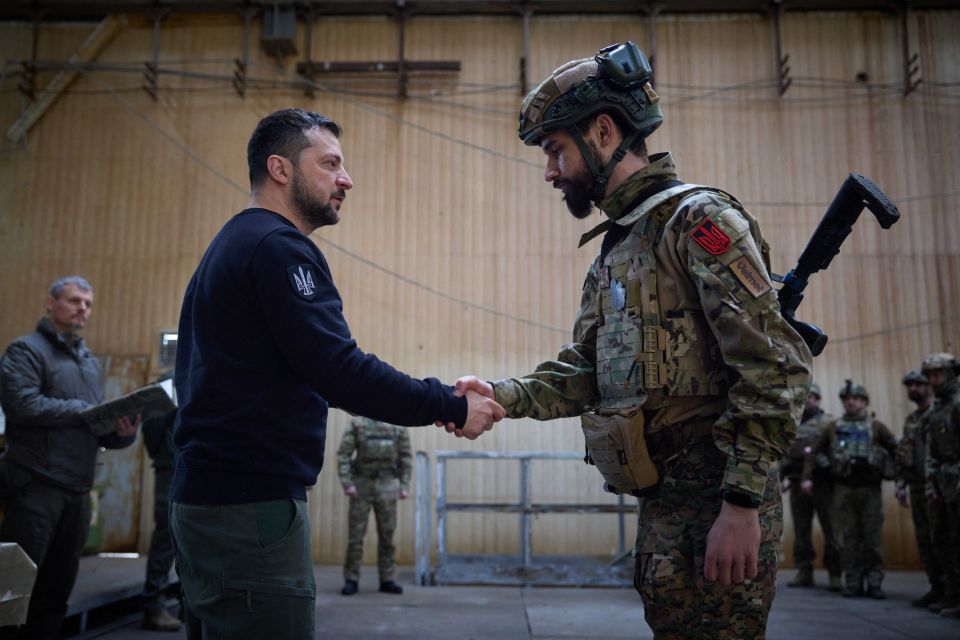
(617, 80)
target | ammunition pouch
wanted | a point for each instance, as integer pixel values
(616, 445)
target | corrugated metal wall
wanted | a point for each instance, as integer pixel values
(453, 255)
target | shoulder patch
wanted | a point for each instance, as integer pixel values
(749, 276)
(711, 237)
(301, 279)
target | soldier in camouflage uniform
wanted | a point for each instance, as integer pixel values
(942, 426)
(803, 506)
(862, 452)
(912, 484)
(688, 380)
(375, 477)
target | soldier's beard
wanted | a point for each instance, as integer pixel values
(576, 194)
(312, 207)
(915, 396)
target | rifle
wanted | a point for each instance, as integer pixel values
(856, 193)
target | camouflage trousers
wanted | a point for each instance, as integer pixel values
(671, 547)
(945, 520)
(922, 514)
(860, 513)
(803, 507)
(381, 495)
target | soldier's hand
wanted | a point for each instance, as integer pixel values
(350, 490)
(901, 494)
(733, 545)
(127, 425)
(806, 487)
(481, 414)
(460, 388)
(403, 494)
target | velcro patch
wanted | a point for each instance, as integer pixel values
(749, 277)
(711, 238)
(301, 279)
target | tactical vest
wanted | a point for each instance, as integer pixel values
(647, 349)
(855, 454)
(377, 448)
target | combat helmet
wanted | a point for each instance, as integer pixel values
(916, 376)
(617, 80)
(851, 388)
(815, 390)
(943, 361)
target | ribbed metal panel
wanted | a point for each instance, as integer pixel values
(477, 269)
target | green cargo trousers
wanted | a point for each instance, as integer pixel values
(246, 570)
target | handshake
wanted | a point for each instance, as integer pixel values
(482, 409)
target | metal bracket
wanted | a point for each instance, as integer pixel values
(152, 69)
(401, 16)
(309, 17)
(526, 11)
(783, 69)
(911, 67)
(653, 10)
(240, 70)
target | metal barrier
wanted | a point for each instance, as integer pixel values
(524, 568)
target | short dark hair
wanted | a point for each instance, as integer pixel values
(283, 133)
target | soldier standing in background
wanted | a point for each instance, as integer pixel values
(942, 426)
(803, 506)
(688, 380)
(911, 482)
(861, 452)
(376, 477)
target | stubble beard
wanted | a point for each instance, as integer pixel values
(311, 208)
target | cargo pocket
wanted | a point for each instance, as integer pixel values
(616, 445)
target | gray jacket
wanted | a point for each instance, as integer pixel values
(45, 382)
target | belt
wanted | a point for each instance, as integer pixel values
(376, 473)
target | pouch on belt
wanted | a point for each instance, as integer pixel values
(617, 447)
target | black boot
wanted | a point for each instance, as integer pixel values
(391, 587)
(349, 588)
(924, 601)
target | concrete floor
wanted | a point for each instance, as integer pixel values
(512, 613)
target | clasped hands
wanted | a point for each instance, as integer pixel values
(482, 409)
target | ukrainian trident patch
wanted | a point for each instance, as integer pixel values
(711, 238)
(301, 279)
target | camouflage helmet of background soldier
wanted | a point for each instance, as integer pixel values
(916, 376)
(616, 80)
(945, 361)
(851, 388)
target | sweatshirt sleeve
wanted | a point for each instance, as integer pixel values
(305, 314)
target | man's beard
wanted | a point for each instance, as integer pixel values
(310, 207)
(915, 396)
(579, 188)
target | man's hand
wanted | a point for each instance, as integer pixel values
(350, 490)
(901, 494)
(127, 425)
(733, 545)
(467, 386)
(481, 414)
(806, 487)
(403, 494)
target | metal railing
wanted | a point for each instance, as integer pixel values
(522, 568)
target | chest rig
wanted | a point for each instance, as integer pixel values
(648, 349)
(377, 447)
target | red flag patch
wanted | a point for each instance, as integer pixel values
(711, 238)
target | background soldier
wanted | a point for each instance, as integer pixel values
(158, 440)
(803, 506)
(378, 474)
(688, 380)
(943, 472)
(861, 451)
(911, 481)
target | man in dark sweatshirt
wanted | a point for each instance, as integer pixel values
(263, 351)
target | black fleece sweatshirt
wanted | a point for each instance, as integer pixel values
(263, 350)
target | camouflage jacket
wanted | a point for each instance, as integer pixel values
(808, 433)
(755, 420)
(912, 449)
(382, 450)
(943, 444)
